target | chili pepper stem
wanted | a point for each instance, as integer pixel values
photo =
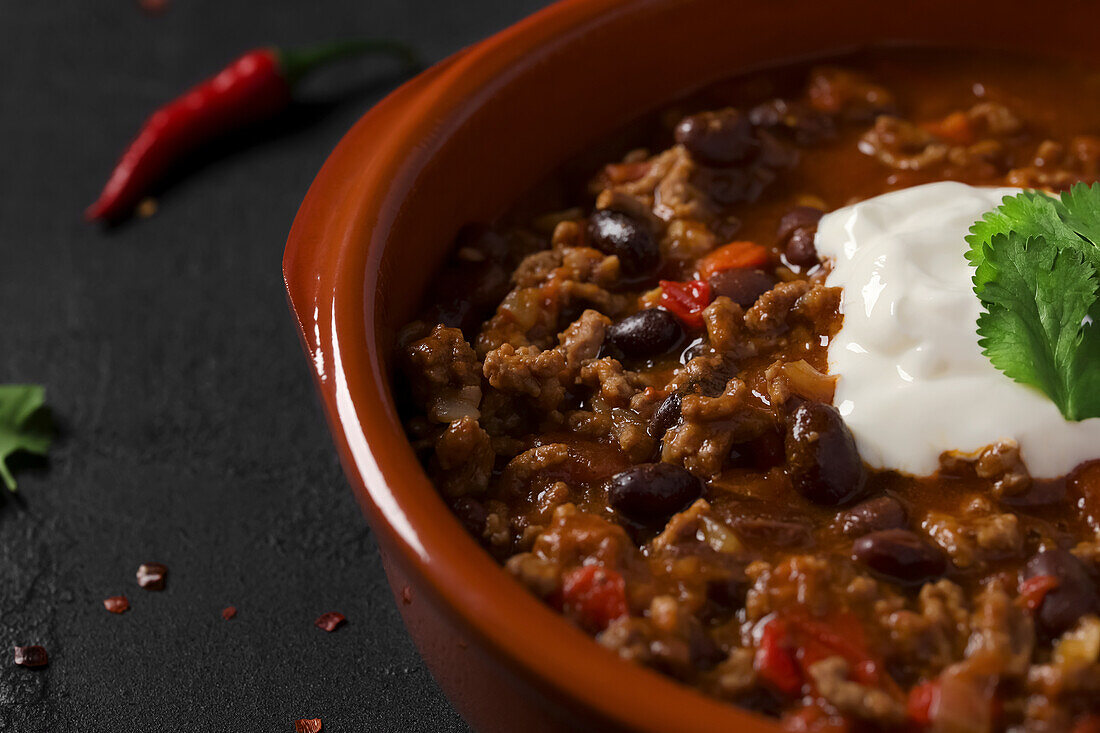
(297, 63)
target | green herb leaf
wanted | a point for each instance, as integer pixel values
(24, 424)
(1084, 396)
(1036, 264)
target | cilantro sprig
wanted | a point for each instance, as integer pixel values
(1036, 261)
(24, 424)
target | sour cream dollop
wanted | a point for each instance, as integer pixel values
(913, 382)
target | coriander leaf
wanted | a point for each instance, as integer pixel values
(24, 425)
(1028, 214)
(1036, 300)
(1079, 208)
(1084, 396)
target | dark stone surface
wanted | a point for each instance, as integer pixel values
(191, 433)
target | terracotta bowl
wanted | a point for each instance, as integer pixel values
(456, 145)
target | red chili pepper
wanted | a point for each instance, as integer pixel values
(686, 300)
(1034, 590)
(254, 87)
(593, 595)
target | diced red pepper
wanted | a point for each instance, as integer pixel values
(921, 699)
(1034, 590)
(775, 660)
(594, 596)
(732, 256)
(795, 640)
(841, 634)
(686, 300)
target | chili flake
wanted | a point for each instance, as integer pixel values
(31, 656)
(229, 612)
(329, 621)
(117, 604)
(152, 576)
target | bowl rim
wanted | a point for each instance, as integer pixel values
(330, 264)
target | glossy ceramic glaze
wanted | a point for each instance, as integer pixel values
(456, 145)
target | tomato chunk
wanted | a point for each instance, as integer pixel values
(732, 256)
(686, 300)
(594, 596)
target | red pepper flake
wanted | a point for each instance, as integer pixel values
(117, 604)
(594, 596)
(1034, 590)
(329, 621)
(921, 699)
(686, 300)
(307, 725)
(229, 612)
(151, 576)
(31, 656)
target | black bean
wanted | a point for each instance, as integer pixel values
(653, 492)
(632, 241)
(796, 235)
(900, 555)
(822, 457)
(722, 138)
(741, 285)
(647, 333)
(665, 416)
(883, 512)
(800, 217)
(1073, 597)
(800, 250)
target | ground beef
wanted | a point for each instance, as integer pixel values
(463, 458)
(979, 535)
(830, 676)
(445, 375)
